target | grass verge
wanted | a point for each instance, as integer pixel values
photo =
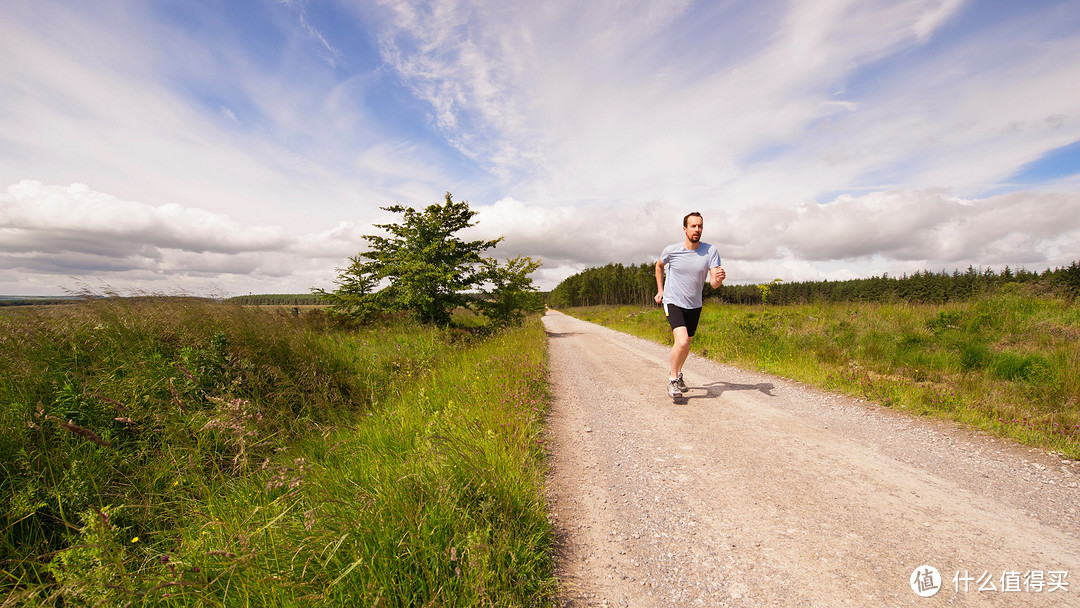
(1008, 363)
(173, 451)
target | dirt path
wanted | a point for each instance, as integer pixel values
(756, 491)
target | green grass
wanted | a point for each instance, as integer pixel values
(1008, 363)
(170, 451)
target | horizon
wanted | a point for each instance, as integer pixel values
(943, 272)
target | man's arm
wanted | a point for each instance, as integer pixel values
(716, 276)
(659, 297)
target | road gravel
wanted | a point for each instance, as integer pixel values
(758, 491)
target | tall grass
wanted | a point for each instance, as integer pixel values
(1008, 362)
(179, 451)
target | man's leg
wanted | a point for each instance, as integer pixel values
(680, 350)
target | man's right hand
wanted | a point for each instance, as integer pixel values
(659, 297)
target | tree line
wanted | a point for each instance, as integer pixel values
(278, 299)
(35, 300)
(616, 284)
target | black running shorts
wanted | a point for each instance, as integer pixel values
(682, 317)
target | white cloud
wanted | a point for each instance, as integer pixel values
(597, 103)
(930, 225)
(934, 17)
(338, 243)
(42, 218)
(137, 245)
(74, 233)
(583, 234)
(601, 103)
(900, 231)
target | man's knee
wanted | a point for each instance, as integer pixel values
(682, 341)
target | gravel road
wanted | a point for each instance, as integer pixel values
(758, 491)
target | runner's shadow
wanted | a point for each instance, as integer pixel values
(716, 389)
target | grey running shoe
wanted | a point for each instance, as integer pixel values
(673, 388)
(682, 385)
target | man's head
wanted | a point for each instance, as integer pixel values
(687, 217)
(692, 225)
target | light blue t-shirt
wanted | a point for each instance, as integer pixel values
(686, 271)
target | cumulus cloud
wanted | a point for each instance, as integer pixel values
(36, 217)
(338, 243)
(931, 225)
(894, 231)
(75, 231)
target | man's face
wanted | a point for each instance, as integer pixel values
(693, 229)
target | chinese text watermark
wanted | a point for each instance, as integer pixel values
(926, 581)
(1012, 581)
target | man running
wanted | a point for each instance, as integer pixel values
(688, 263)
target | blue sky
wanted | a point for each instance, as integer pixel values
(222, 148)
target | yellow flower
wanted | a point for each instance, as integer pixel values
(135, 540)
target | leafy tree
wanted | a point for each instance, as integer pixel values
(425, 268)
(511, 293)
(353, 297)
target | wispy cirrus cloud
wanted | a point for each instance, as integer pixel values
(615, 104)
(198, 116)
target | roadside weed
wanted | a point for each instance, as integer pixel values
(177, 451)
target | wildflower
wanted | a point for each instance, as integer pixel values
(135, 540)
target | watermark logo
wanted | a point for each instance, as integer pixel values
(925, 581)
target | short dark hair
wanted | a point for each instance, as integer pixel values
(687, 218)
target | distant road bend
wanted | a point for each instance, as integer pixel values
(757, 491)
